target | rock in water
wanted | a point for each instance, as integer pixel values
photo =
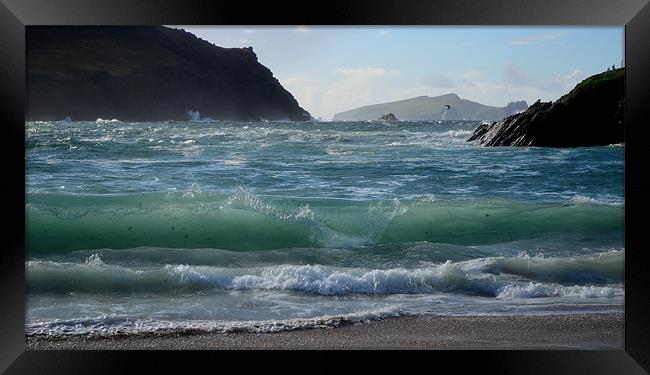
(147, 73)
(589, 115)
(389, 117)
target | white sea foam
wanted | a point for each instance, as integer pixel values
(462, 278)
(246, 198)
(108, 325)
(538, 290)
(106, 121)
(457, 133)
(195, 116)
(582, 199)
(234, 161)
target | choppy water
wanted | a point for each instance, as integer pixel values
(137, 227)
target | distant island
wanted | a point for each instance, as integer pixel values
(147, 73)
(425, 108)
(589, 115)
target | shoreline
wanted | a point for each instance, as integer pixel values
(571, 331)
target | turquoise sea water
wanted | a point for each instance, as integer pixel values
(136, 227)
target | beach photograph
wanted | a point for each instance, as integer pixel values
(321, 187)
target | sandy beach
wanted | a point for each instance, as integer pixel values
(588, 331)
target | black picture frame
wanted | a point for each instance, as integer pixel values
(634, 14)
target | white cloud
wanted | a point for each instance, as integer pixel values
(249, 31)
(476, 85)
(290, 81)
(570, 77)
(368, 72)
(515, 84)
(530, 87)
(350, 88)
(513, 75)
(354, 87)
(305, 90)
(566, 82)
(539, 38)
(302, 29)
(358, 87)
(384, 32)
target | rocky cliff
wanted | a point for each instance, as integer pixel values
(589, 115)
(147, 73)
(425, 108)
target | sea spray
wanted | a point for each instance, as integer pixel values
(194, 115)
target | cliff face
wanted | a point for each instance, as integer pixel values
(146, 73)
(425, 108)
(589, 115)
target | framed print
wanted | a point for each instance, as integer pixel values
(415, 176)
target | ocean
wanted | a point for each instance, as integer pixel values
(272, 226)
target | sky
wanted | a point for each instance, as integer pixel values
(334, 69)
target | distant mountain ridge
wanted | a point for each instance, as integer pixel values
(147, 73)
(425, 108)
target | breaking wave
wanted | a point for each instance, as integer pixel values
(586, 276)
(108, 325)
(244, 221)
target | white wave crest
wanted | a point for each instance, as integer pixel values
(585, 200)
(110, 325)
(461, 277)
(537, 290)
(106, 121)
(457, 133)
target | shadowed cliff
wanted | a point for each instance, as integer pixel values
(147, 73)
(589, 115)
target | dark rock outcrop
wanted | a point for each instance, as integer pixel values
(147, 73)
(389, 117)
(589, 115)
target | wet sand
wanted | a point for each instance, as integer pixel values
(588, 331)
